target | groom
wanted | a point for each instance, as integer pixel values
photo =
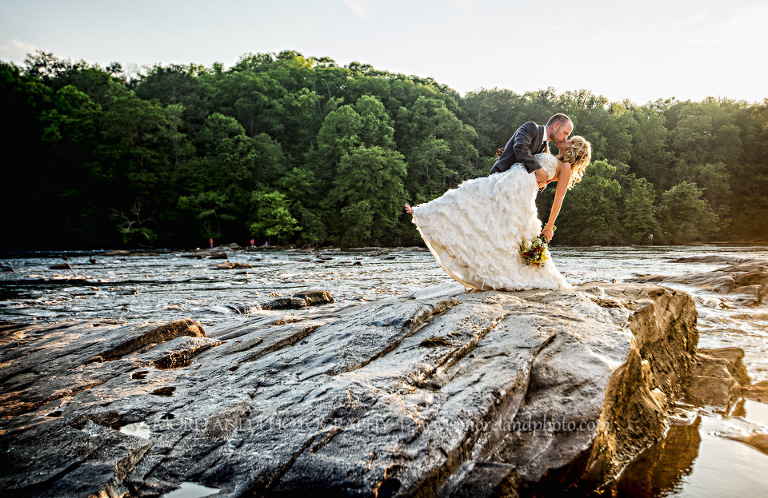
(532, 139)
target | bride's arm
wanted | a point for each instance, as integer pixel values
(563, 179)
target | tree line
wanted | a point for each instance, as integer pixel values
(299, 150)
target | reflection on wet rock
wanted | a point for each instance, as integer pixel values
(661, 468)
(757, 441)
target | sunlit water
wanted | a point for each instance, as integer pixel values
(172, 285)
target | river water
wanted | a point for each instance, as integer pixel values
(168, 285)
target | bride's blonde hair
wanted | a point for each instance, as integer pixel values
(578, 156)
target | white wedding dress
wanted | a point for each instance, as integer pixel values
(475, 230)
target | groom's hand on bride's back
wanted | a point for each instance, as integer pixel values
(541, 177)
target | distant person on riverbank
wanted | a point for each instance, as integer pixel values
(252, 242)
(210, 242)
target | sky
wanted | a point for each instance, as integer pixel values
(641, 50)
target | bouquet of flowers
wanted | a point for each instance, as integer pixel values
(535, 251)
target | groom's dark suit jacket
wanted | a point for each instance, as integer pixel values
(527, 141)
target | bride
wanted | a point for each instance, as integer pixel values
(475, 230)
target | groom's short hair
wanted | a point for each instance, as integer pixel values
(559, 118)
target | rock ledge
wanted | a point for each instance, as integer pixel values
(441, 392)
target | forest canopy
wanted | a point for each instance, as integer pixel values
(299, 150)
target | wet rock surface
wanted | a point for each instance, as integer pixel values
(747, 280)
(435, 392)
(233, 266)
(758, 391)
(718, 378)
(295, 301)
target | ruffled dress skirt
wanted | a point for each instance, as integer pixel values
(475, 232)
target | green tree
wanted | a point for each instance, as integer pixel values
(255, 99)
(423, 133)
(178, 85)
(71, 136)
(218, 184)
(650, 158)
(374, 175)
(210, 208)
(591, 212)
(639, 223)
(606, 125)
(72, 120)
(495, 115)
(684, 216)
(338, 134)
(102, 86)
(301, 120)
(135, 142)
(237, 158)
(358, 220)
(271, 217)
(375, 125)
(727, 144)
(714, 180)
(300, 186)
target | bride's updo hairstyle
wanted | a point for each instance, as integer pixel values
(578, 156)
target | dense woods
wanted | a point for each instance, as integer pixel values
(299, 150)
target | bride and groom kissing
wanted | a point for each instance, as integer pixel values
(474, 231)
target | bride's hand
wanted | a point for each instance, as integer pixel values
(548, 232)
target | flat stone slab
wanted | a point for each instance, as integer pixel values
(439, 392)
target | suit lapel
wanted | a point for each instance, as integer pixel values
(540, 139)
